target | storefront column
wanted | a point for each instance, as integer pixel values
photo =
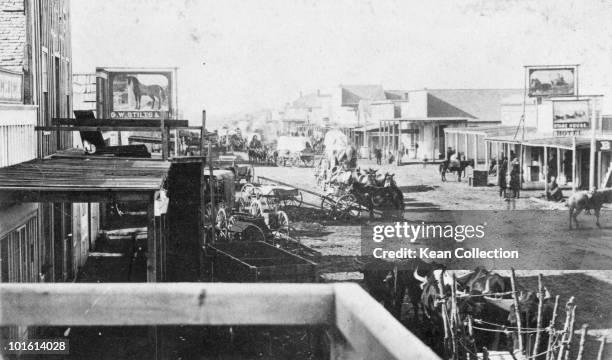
(521, 163)
(545, 164)
(465, 152)
(574, 160)
(487, 146)
(558, 165)
(475, 150)
(456, 142)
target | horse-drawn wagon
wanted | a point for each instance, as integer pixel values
(257, 197)
(294, 151)
(242, 173)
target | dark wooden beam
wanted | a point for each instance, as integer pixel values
(70, 195)
(120, 122)
(151, 241)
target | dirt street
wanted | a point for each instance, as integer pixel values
(538, 229)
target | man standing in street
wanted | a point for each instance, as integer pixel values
(378, 155)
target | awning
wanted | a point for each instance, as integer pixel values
(536, 140)
(487, 131)
(94, 179)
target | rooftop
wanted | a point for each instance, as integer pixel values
(82, 179)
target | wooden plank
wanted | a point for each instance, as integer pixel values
(70, 195)
(166, 304)
(154, 123)
(95, 128)
(151, 241)
(372, 331)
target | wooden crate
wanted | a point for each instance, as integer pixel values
(479, 178)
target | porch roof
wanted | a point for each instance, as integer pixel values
(487, 131)
(82, 179)
(540, 140)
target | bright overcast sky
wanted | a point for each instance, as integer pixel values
(261, 54)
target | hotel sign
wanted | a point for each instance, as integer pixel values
(11, 86)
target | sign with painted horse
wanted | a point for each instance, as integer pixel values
(136, 93)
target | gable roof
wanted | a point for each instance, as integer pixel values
(352, 94)
(312, 100)
(477, 104)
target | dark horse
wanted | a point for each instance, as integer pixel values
(458, 167)
(155, 92)
(387, 197)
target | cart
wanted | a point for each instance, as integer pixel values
(258, 197)
(256, 261)
(242, 173)
(294, 151)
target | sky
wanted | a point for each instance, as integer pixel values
(237, 56)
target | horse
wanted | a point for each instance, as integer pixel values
(581, 200)
(458, 167)
(152, 91)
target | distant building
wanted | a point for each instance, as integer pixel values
(410, 125)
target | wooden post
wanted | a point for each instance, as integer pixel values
(444, 314)
(211, 186)
(202, 183)
(553, 320)
(570, 331)
(539, 319)
(564, 337)
(583, 335)
(517, 311)
(151, 241)
(487, 159)
(164, 137)
(545, 166)
(574, 160)
(558, 165)
(521, 164)
(601, 348)
(475, 150)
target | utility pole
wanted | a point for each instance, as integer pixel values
(593, 145)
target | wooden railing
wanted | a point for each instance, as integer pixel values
(360, 327)
(17, 139)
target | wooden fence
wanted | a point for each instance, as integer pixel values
(360, 327)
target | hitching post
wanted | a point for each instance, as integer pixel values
(517, 312)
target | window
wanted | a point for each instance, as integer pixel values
(17, 253)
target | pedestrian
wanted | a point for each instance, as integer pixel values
(378, 154)
(390, 157)
(501, 178)
(416, 149)
(554, 192)
(515, 179)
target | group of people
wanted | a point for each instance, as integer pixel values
(378, 155)
(515, 176)
(553, 192)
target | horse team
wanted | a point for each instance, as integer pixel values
(427, 287)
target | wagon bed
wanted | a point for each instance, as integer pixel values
(257, 262)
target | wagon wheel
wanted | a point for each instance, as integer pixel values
(243, 205)
(222, 223)
(309, 162)
(252, 233)
(347, 207)
(283, 223)
(328, 205)
(247, 190)
(256, 208)
(208, 210)
(295, 200)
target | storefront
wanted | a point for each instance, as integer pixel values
(415, 139)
